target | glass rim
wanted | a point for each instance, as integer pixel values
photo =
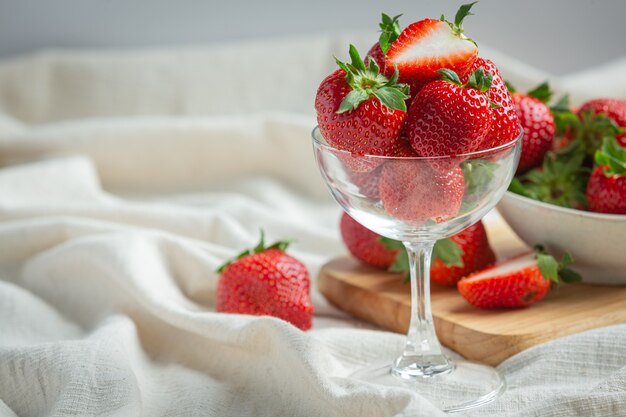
(320, 141)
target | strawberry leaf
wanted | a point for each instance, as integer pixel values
(259, 248)
(569, 276)
(548, 266)
(357, 62)
(461, 14)
(389, 31)
(480, 80)
(541, 92)
(352, 100)
(392, 98)
(478, 174)
(449, 75)
(449, 252)
(612, 156)
(391, 244)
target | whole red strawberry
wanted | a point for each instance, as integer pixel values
(265, 281)
(505, 124)
(429, 45)
(460, 255)
(438, 121)
(606, 189)
(415, 192)
(613, 109)
(516, 282)
(360, 110)
(538, 123)
(364, 244)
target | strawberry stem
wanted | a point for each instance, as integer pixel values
(389, 31)
(259, 248)
(368, 82)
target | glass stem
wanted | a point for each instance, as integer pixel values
(422, 356)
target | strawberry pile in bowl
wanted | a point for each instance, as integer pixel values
(570, 187)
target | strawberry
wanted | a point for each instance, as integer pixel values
(429, 45)
(365, 245)
(265, 281)
(470, 253)
(438, 122)
(516, 282)
(360, 110)
(538, 123)
(505, 124)
(613, 109)
(367, 180)
(606, 189)
(416, 193)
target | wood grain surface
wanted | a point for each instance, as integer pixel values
(488, 336)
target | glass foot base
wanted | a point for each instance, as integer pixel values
(466, 385)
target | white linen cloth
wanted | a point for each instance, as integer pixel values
(127, 177)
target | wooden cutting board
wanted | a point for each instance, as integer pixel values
(488, 336)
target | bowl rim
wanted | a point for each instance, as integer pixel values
(320, 141)
(566, 210)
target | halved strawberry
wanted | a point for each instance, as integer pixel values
(360, 110)
(428, 45)
(516, 282)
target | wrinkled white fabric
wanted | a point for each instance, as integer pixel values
(127, 177)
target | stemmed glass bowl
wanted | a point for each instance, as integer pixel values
(419, 200)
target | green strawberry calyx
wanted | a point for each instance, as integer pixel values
(554, 271)
(448, 251)
(389, 31)
(259, 248)
(461, 14)
(367, 82)
(478, 79)
(612, 157)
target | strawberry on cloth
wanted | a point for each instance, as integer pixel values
(265, 281)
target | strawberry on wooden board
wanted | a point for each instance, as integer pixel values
(426, 46)
(538, 123)
(360, 110)
(265, 281)
(613, 109)
(606, 189)
(505, 124)
(516, 282)
(366, 245)
(439, 121)
(417, 193)
(453, 258)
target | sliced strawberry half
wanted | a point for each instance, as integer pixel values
(516, 282)
(428, 45)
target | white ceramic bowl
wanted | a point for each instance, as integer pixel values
(596, 241)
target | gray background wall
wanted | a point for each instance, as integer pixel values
(560, 36)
